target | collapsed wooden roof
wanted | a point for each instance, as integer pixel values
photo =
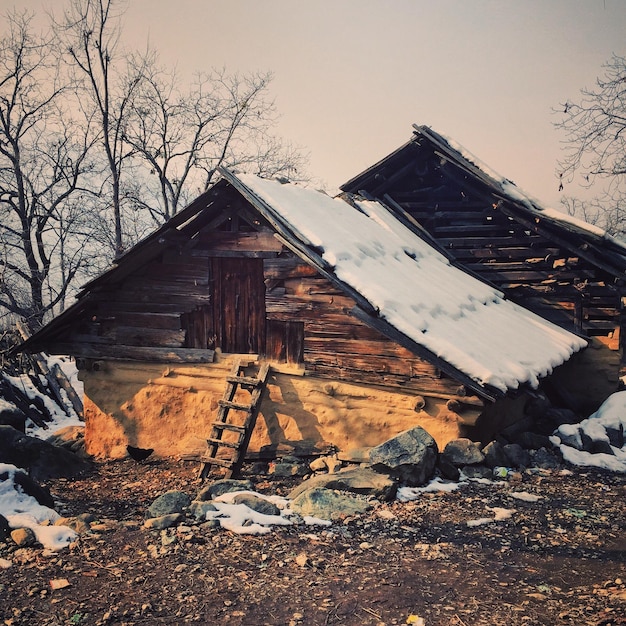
(401, 285)
(490, 227)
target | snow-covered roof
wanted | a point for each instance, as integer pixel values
(515, 193)
(413, 287)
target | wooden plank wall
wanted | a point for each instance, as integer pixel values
(168, 305)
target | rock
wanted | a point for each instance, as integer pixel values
(12, 416)
(78, 525)
(71, 438)
(355, 455)
(517, 456)
(163, 521)
(23, 537)
(328, 464)
(462, 452)
(40, 458)
(254, 502)
(594, 446)
(537, 407)
(495, 455)
(557, 417)
(5, 529)
(512, 432)
(220, 487)
(545, 459)
(30, 487)
(200, 508)
(289, 466)
(259, 468)
(448, 469)
(361, 480)
(572, 440)
(477, 471)
(318, 465)
(533, 441)
(169, 503)
(616, 436)
(410, 456)
(328, 504)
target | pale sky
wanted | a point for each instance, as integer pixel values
(352, 76)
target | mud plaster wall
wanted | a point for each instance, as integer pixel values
(172, 409)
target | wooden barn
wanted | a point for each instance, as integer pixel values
(562, 268)
(367, 329)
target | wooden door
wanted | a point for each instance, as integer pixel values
(238, 296)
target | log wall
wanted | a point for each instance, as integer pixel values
(243, 292)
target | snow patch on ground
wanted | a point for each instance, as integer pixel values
(23, 511)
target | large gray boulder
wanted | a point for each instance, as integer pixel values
(171, 502)
(328, 504)
(410, 457)
(361, 480)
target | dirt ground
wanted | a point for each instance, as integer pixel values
(560, 560)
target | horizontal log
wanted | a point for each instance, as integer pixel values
(520, 252)
(461, 242)
(120, 352)
(355, 347)
(213, 253)
(411, 368)
(167, 321)
(441, 387)
(494, 274)
(261, 241)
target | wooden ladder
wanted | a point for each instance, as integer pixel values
(235, 380)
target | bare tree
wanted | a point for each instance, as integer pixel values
(223, 119)
(43, 160)
(595, 144)
(91, 31)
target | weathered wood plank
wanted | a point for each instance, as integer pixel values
(120, 352)
(155, 337)
(283, 267)
(423, 385)
(259, 241)
(166, 321)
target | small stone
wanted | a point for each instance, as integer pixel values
(23, 537)
(318, 465)
(199, 509)
(164, 521)
(168, 503)
(302, 559)
(256, 503)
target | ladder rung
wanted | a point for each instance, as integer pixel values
(244, 380)
(220, 462)
(234, 405)
(233, 427)
(225, 444)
